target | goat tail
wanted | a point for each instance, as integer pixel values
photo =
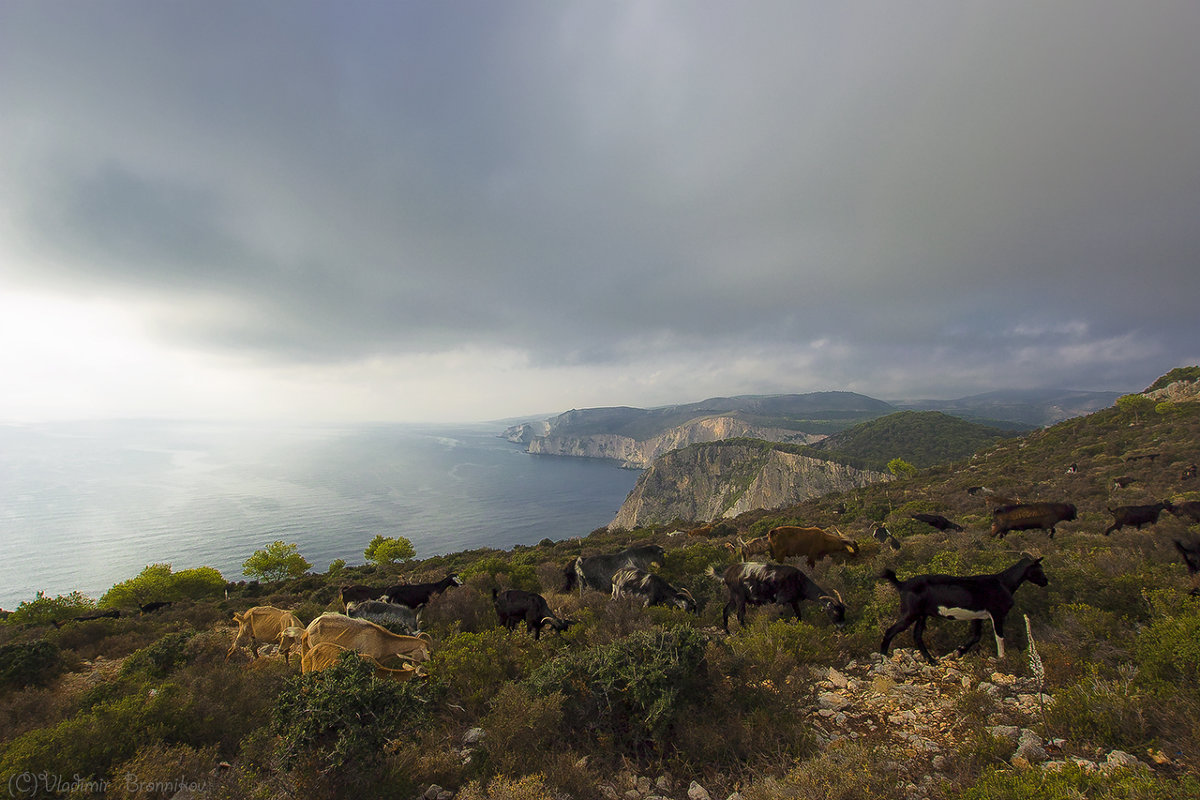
(889, 575)
(711, 572)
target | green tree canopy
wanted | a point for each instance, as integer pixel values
(1135, 405)
(901, 468)
(389, 550)
(158, 583)
(276, 562)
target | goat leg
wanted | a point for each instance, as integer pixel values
(919, 638)
(973, 639)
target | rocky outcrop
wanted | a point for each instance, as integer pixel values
(640, 453)
(1177, 392)
(723, 479)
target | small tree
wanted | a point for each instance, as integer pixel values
(389, 550)
(152, 583)
(43, 610)
(197, 583)
(276, 562)
(1135, 405)
(901, 468)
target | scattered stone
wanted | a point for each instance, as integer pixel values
(633, 794)
(644, 786)
(1008, 732)
(473, 736)
(608, 792)
(838, 679)
(829, 700)
(432, 792)
(663, 784)
(1030, 747)
(1119, 758)
(697, 792)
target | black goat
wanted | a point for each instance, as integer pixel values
(759, 584)
(937, 521)
(1137, 516)
(357, 592)
(415, 595)
(884, 536)
(515, 605)
(1191, 560)
(150, 608)
(973, 597)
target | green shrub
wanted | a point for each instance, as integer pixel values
(1168, 649)
(846, 771)
(33, 664)
(630, 691)
(530, 787)
(44, 610)
(343, 716)
(1072, 781)
(92, 741)
(158, 772)
(1109, 713)
(160, 658)
(522, 729)
(472, 665)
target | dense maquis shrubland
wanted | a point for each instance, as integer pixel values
(1098, 694)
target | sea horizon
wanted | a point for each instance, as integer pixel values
(88, 504)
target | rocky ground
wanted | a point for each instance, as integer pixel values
(915, 715)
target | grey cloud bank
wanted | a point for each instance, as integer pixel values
(437, 211)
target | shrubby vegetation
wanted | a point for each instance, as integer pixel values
(656, 691)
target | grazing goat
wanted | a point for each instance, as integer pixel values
(884, 536)
(755, 547)
(515, 605)
(356, 593)
(1191, 560)
(972, 597)
(364, 637)
(150, 608)
(326, 654)
(393, 616)
(596, 571)
(1186, 508)
(264, 624)
(1137, 516)
(758, 584)
(937, 521)
(110, 614)
(650, 588)
(415, 595)
(812, 543)
(1031, 516)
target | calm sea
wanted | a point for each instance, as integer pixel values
(85, 505)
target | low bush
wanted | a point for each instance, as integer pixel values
(627, 693)
(343, 717)
(1072, 781)
(33, 664)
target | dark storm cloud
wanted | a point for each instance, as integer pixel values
(975, 193)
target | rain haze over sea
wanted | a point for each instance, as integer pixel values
(85, 505)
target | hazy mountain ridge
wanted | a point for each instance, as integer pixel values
(637, 436)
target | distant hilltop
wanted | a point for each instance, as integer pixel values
(636, 436)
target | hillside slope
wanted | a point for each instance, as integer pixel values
(723, 479)
(922, 438)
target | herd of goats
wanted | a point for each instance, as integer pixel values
(626, 574)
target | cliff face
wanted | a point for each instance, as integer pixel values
(724, 479)
(539, 438)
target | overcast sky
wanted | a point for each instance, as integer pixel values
(435, 211)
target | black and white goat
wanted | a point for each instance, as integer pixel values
(515, 605)
(651, 589)
(759, 584)
(971, 597)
